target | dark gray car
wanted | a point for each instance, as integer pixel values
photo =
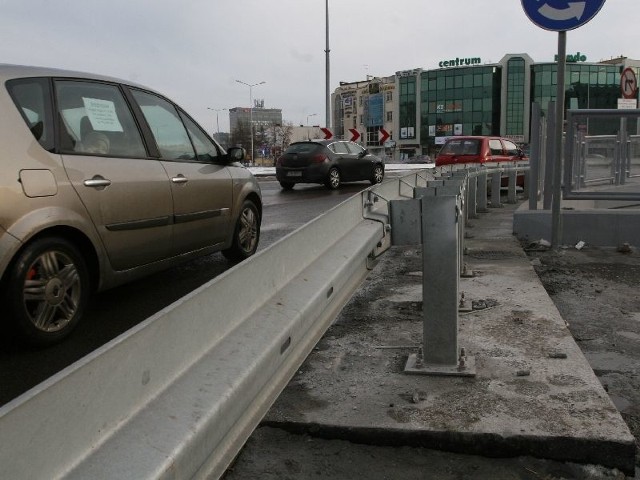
(329, 162)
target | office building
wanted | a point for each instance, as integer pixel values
(421, 108)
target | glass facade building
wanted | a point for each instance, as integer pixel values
(422, 108)
(587, 86)
(516, 74)
(459, 101)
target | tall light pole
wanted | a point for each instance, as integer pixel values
(251, 85)
(326, 51)
(312, 115)
(217, 119)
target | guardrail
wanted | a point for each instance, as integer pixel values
(617, 163)
(178, 395)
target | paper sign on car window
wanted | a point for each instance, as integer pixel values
(102, 115)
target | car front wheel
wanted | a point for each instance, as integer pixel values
(48, 289)
(333, 179)
(246, 234)
(378, 174)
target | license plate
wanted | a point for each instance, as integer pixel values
(294, 174)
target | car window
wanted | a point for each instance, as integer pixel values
(206, 150)
(339, 147)
(451, 147)
(354, 148)
(470, 146)
(96, 120)
(303, 147)
(495, 146)
(166, 125)
(31, 96)
(511, 148)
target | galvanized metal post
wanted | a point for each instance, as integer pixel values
(440, 259)
(622, 166)
(534, 158)
(441, 218)
(556, 219)
(511, 187)
(472, 188)
(548, 169)
(580, 159)
(496, 183)
(482, 192)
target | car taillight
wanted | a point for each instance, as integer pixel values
(319, 158)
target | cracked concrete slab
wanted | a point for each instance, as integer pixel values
(534, 392)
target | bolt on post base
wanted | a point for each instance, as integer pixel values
(466, 367)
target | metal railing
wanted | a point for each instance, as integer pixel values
(602, 159)
(435, 218)
(179, 394)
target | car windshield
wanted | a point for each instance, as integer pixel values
(304, 147)
(461, 147)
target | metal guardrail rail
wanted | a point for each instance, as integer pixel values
(618, 158)
(177, 396)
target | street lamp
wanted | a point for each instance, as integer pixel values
(217, 119)
(251, 85)
(327, 94)
(312, 115)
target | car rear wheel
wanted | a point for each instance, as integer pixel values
(48, 289)
(246, 234)
(378, 174)
(287, 185)
(333, 179)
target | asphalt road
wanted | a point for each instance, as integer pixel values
(114, 311)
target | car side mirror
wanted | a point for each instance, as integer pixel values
(236, 154)
(363, 153)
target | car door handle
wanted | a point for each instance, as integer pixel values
(179, 179)
(97, 182)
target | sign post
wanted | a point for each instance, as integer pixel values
(560, 16)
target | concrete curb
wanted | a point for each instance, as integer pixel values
(534, 394)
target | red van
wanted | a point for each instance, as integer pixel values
(478, 149)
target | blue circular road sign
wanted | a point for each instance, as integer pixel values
(561, 15)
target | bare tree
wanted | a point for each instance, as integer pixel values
(241, 135)
(281, 138)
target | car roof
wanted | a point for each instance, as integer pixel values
(10, 71)
(321, 141)
(479, 137)
(474, 137)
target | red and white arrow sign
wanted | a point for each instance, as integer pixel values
(628, 83)
(355, 134)
(328, 134)
(383, 135)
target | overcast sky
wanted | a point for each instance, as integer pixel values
(194, 50)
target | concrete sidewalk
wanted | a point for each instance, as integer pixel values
(534, 394)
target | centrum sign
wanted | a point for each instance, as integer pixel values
(459, 62)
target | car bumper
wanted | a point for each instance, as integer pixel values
(310, 174)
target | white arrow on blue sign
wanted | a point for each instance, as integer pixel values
(561, 15)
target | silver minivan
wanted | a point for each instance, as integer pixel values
(103, 181)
